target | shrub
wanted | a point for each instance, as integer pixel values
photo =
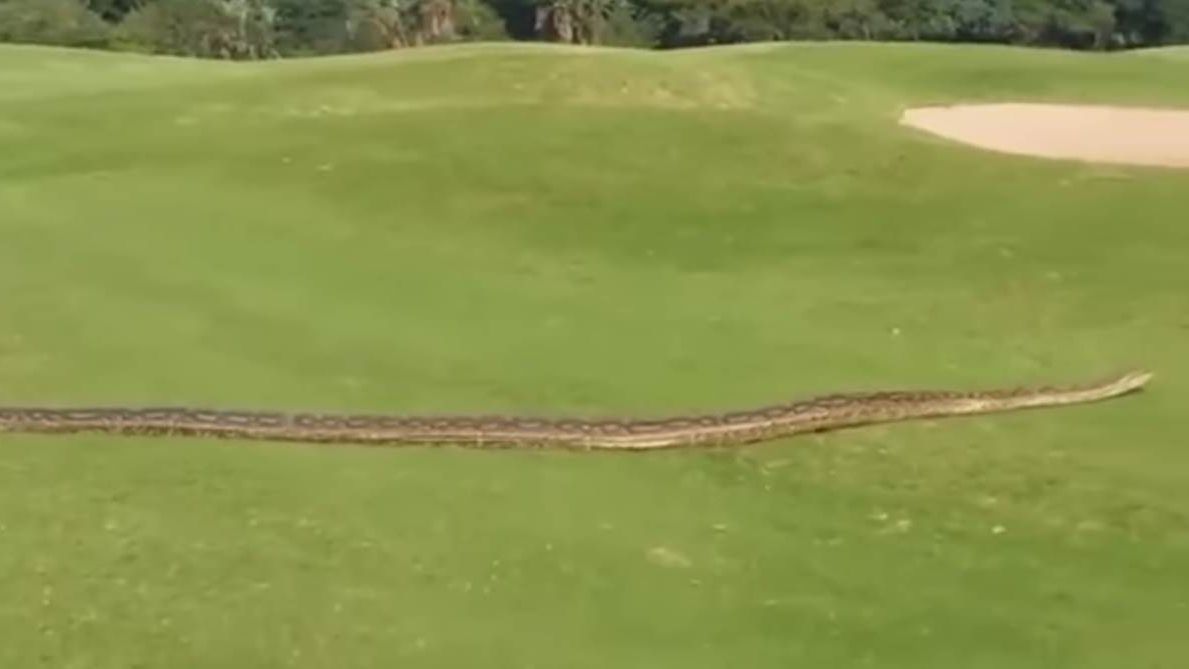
(56, 22)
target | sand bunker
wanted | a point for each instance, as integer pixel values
(1116, 135)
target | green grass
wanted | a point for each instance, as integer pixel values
(539, 230)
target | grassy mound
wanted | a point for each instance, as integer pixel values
(544, 230)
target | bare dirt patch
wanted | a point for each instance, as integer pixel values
(1100, 134)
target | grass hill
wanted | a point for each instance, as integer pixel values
(532, 229)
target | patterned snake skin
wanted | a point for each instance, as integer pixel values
(811, 415)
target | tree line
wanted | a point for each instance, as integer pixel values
(257, 29)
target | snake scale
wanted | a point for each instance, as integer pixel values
(816, 414)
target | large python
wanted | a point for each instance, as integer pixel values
(811, 415)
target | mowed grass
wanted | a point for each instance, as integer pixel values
(555, 231)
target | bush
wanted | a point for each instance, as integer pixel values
(1175, 15)
(229, 29)
(478, 21)
(632, 26)
(56, 22)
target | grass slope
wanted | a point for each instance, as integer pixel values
(521, 228)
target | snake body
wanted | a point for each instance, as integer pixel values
(816, 414)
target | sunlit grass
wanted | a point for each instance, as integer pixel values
(530, 230)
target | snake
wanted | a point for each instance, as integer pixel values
(815, 414)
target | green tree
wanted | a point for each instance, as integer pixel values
(1147, 22)
(1176, 16)
(56, 22)
(374, 25)
(331, 26)
(575, 21)
(249, 29)
(306, 27)
(228, 29)
(115, 10)
(478, 20)
(855, 19)
(920, 19)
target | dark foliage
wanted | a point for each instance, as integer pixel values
(268, 28)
